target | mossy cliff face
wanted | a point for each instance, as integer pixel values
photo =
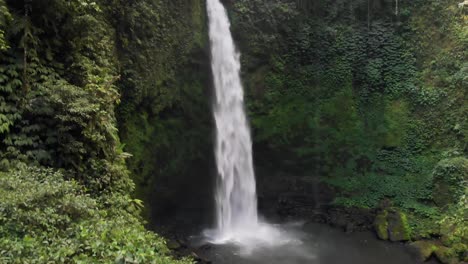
(365, 98)
(164, 117)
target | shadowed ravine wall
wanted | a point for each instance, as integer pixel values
(165, 117)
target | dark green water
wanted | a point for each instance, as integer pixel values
(316, 244)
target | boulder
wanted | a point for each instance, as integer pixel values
(350, 219)
(424, 249)
(392, 224)
(381, 225)
(199, 259)
(398, 227)
(446, 256)
(173, 245)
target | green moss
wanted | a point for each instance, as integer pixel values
(425, 249)
(398, 227)
(392, 224)
(446, 255)
(381, 225)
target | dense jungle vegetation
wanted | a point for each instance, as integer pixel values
(65, 190)
(105, 106)
(370, 97)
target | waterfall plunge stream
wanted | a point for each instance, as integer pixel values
(236, 200)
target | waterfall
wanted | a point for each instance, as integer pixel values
(236, 201)
(237, 219)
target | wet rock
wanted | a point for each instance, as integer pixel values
(446, 256)
(424, 249)
(350, 219)
(195, 256)
(286, 195)
(381, 225)
(206, 247)
(291, 204)
(183, 242)
(350, 227)
(173, 245)
(338, 218)
(199, 259)
(398, 227)
(318, 216)
(392, 224)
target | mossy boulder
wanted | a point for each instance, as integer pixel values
(450, 178)
(392, 224)
(455, 247)
(381, 225)
(424, 249)
(446, 255)
(398, 227)
(173, 245)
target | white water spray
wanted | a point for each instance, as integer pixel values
(236, 200)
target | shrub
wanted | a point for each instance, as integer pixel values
(46, 219)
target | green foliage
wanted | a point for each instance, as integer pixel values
(164, 117)
(350, 91)
(156, 38)
(321, 94)
(5, 17)
(450, 180)
(453, 225)
(44, 219)
(57, 94)
(356, 94)
(59, 72)
(10, 82)
(262, 22)
(407, 192)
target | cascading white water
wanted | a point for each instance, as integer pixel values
(236, 201)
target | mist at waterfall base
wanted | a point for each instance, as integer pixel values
(237, 219)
